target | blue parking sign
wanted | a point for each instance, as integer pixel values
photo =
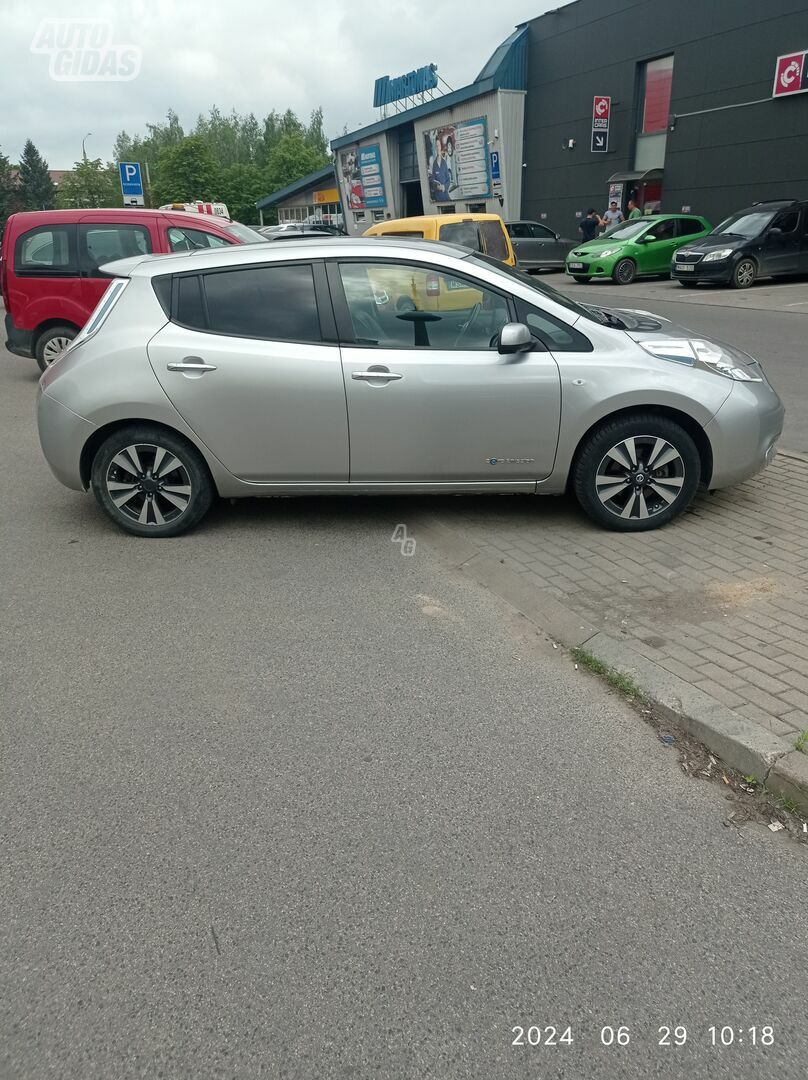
(131, 182)
(494, 164)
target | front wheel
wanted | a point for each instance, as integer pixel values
(52, 343)
(637, 474)
(744, 274)
(151, 482)
(625, 270)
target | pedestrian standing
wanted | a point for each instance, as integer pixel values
(613, 215)
(633, 210)
(588, 226)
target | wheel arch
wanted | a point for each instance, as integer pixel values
(49, 324)
(91, 447)
(691, 426)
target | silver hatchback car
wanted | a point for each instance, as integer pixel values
(388, 366)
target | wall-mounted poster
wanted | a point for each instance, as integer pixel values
(361, 170)
(457, 161)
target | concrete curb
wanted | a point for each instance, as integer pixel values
(742, 744)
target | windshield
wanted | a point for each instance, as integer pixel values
(245, 234)
(749, 224)
(627, 231)
(534, 283)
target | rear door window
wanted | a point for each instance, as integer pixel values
(463, 233)
(48, 251)
(688, 227)
(99, 244)
(276, 303)
(494, 239)
(520, 230)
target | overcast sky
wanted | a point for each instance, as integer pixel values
(251, 55)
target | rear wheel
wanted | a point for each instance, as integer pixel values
(744, 274)
(51, 343)
(637, 474)
(625, 270)
(151, 482)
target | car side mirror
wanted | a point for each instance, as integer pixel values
(558, 236)
(514, 337)
(649, 239)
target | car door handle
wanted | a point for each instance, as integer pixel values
(368, 375)
(191, 363)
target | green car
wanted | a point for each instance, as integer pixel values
(643, 247)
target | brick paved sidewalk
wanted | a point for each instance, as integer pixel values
(719, 598)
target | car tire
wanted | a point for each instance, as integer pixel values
(171, 488)
(654, 496)
(51, 342)
(624, 271)
(744, 274)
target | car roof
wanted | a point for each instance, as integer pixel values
(129, 212)
(327, 247)
(444, 219)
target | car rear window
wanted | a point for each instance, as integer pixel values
(416, 234)
(494, 239)
(463, 233)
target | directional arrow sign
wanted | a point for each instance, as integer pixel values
(600, 142)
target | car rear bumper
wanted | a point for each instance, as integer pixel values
(62, 435)
(18, 341)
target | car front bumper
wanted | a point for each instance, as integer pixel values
(720, 271)
(18, 341)
(592, 268)
(62, 435)
(744, 432)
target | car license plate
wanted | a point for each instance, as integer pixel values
(576, 266)
(684, 266)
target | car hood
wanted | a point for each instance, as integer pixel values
(601, 243)
(711, 243)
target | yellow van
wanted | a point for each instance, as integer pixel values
(437, 292)
(481, 232)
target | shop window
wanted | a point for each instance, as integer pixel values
(448, 209)
(359, 216)
(657, 95)
(407, 156)
(476, 207)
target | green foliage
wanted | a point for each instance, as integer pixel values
(90, 185)
(9, 197)
(36, 191)
(241, 186)
(185, 172)
(624, 683)
(801, 742)
(236, 158)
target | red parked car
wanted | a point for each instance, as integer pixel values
(49, 262)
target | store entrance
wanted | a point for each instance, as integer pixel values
(412, 201)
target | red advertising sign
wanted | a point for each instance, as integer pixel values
(601, 107)
(791, 74)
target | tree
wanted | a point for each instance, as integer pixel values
(315, 136)
(8, 191)
(37, 191)
(241, 187)
(291, 160)
(90, 185)
(186, 172)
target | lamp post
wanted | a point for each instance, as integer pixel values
(83, 141)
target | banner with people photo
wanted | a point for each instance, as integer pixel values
(457, 161)
(361, 170)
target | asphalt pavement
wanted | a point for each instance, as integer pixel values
(281, 801)
(769, 321)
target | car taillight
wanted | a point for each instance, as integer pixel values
(432, 285)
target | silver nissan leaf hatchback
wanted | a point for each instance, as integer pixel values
(378, 365)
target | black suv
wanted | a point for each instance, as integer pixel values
(769, 239)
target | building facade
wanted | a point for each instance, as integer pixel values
(691, 120)
(454, 152)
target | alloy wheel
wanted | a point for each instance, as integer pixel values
(54, 348)
(640, 476)
(624, 272)
(745, 273)
(148, 484)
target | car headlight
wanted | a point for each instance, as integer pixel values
(605, 254)
(714, 256)
(698, 353)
